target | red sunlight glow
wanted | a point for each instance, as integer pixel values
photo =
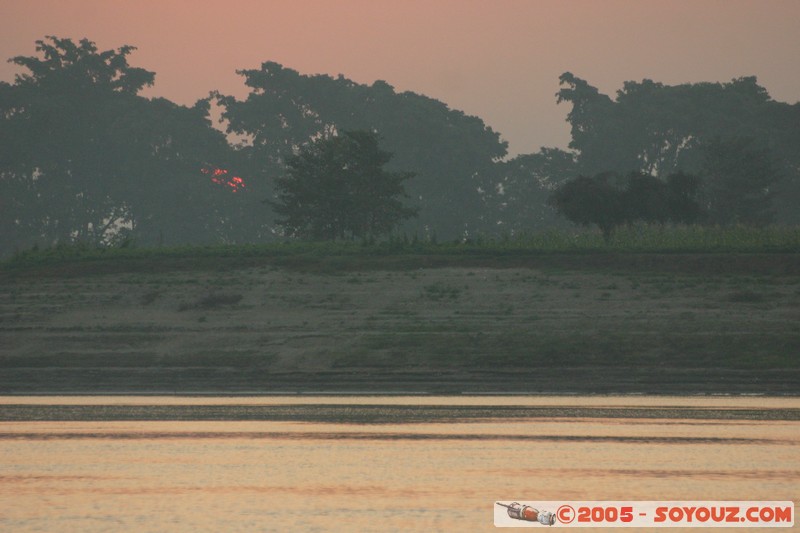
(220, 177)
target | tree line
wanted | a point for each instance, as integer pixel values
(84, 157)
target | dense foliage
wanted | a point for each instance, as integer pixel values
(744, 144)
(84, 158)
(337, 188)
(402, 252)
(452, 155)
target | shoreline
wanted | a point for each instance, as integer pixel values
(569, 324)
(379, 393)
(394, 410)
(575, 382)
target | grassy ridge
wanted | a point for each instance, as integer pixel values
(667, 310)
(636, 239)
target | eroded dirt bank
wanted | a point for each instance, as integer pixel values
(449, 329)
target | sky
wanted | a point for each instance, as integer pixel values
(497, 59)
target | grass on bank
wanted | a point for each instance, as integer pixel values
(634, 239)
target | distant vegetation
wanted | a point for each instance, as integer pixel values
(84, 158)
(337, 188)
(638, 239)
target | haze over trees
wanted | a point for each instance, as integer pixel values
(85, 158)
(608, 200)
(337, 188)
(453, 156)
(659, 129)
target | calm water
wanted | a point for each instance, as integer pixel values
(375, 463)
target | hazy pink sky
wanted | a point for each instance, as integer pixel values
(497, 59)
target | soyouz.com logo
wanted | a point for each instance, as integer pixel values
(518, 513)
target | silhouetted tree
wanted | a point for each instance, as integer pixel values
(452, 155)
(644, 198)
(337, 188)
(661, 129)
(84, 158)
(57, 165)
(739, 179)
(591, 200)
(683, 197)
(608, 201)
(519, 202)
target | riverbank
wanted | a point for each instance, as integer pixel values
(441, 324)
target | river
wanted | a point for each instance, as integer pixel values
(371, 463)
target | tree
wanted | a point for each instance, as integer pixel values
(590, 119)
(519, 202)
(608, 201)
(164, 152)
(55, 160)
(683, 198)
(739, 177)
(591, 200)
(337, 188)
(644, 198)
(84, 158)
(660, 130)
(452, 155)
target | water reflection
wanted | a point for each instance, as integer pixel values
(420, 464)
(319, 435)
(379, 413)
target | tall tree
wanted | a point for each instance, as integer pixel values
(452, 155)
(54, 155)
(609, 200)
(739, 181)
(520, 202)
(337, 188)
(84, 157)
(660, 129)
(591, 200)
